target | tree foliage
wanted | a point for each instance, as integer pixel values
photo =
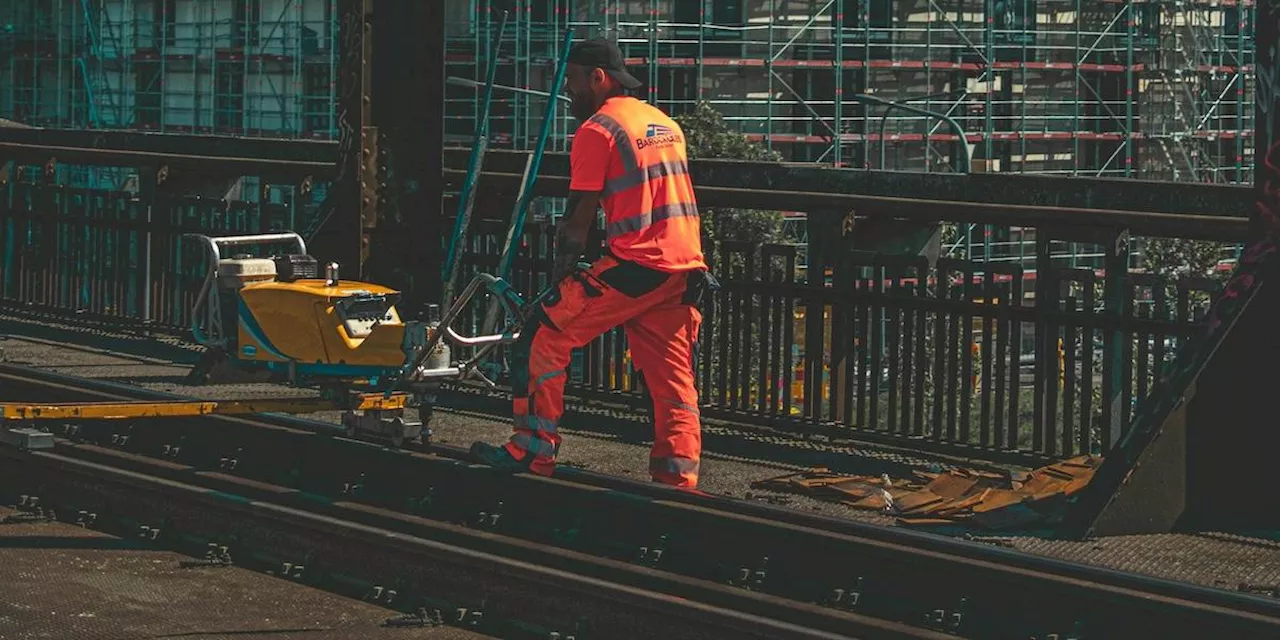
(1179, 257)
(708, 136)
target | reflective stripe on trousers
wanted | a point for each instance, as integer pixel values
(537, 446)
(662, 332)
(674, 470)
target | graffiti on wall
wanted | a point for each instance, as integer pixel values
(350, 106)
(1255, 260)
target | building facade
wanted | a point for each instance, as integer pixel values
(1158, 89)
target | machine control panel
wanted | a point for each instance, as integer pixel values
(361, 311)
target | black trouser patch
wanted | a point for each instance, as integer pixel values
(520, 354)
(700, 290)
(633, 280)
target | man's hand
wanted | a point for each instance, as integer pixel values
(572, 231)
(568, 249)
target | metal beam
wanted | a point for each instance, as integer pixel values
(263, 155)
(407, 244)
(212, 166)
(1081, 224)
(999, 189)
(338, 231)
(312, 151)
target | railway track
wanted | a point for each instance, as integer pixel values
(730, 568)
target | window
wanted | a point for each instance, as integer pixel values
(166, 14)
(727, 12)
(687, 12)
(541, 11)
(317, 108)
(1014, 21)
(147, 96)
(228, 100)
(246, 16)
(677, 90)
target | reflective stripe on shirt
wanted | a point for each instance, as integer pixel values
(642, 220)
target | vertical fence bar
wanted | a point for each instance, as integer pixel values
(966, 349)
(875, 322)
(1115, 382)
(1041, 348)
(788, 332)
(941, 292)
(892, 279)
(813, 335)
(921, 343)
(1069, 375)
(1017, 284)
(1088, 349)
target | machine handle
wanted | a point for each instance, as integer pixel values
(506, 296)
(215, 242)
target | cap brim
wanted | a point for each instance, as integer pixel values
(625, 79)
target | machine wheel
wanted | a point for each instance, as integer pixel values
(349, 424)
(395, 440)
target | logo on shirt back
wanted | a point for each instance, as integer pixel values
(657, 135)
(656, 130)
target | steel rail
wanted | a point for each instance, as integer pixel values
(338, 543)
(904, 567)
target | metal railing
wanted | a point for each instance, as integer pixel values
(973, 357)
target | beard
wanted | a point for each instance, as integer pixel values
(582, 108)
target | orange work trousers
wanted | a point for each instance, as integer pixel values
(661, 325)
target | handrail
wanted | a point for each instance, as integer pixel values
(213, 242)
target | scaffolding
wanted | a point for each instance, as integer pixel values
(1099, 88)
(230, 67)
(1157, 89)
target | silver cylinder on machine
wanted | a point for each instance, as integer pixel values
(331, 274)
(441, 356)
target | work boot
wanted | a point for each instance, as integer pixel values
(496, 457)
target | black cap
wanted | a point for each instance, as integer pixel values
(604, 54)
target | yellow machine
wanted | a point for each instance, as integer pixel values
(278, 319)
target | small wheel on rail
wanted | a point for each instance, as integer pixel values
(426, 409)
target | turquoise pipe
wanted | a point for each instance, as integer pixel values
(526, 192)
(466, 197)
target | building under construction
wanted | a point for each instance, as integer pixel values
(1149, 89)
(1153, 89)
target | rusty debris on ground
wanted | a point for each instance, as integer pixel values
(982, 499)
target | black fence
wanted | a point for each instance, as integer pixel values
(109, 253)
(954, 356)
(978, 358)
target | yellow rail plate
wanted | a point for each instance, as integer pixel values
(185, 408)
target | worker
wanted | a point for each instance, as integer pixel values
(629, 158)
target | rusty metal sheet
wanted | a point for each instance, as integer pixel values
(952, 485)
(980, 498)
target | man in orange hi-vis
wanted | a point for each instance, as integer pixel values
(628, 157)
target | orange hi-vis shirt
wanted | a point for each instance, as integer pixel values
(634, 155)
